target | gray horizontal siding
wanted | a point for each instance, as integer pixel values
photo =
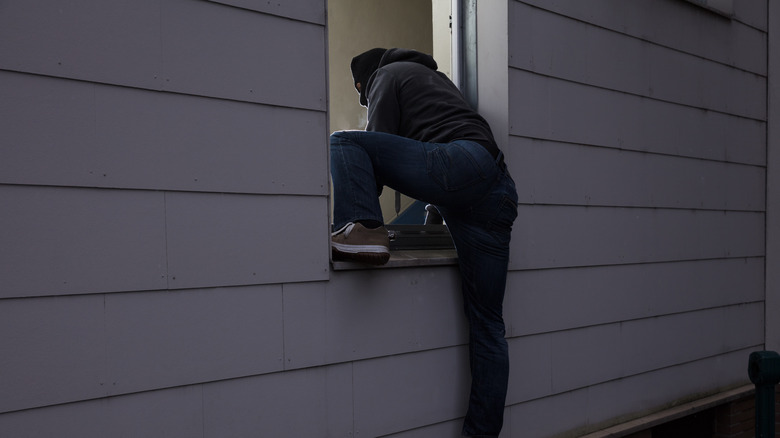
(195, 59)
(166, 413)
(563, 361)
(272, 403)
(587, 408)
(73, 241)
(70, 241)
(94, 135)
(314, 402)
(166, 165)
(66, 349)
(133, 342)
(416, 389)
(686, 28)
(182, 46)
(166, 339)
(639, 149)
(164, 178)
(304, 10)
(611, 59)
(227, 240)
(548, 172)
(610, 294)
(364, 314)
(310, 403)
(753, 14)
(563, 236)
(554, 109)
(443, 429)
(338, 400)
(230, 342)
(53, 351)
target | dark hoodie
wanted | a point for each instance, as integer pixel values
(407, 96)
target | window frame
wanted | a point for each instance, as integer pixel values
(420, 245)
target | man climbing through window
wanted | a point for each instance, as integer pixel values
(424, 140)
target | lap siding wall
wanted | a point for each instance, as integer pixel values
(164, 262)
(638, 137)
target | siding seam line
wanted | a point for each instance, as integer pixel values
(642, 96)
(653, 42)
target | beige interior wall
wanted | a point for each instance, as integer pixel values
(442, 43)
(355, 26)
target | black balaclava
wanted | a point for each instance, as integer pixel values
(363, 66)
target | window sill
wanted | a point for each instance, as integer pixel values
(407, 259)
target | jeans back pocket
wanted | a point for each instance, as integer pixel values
(454, 168)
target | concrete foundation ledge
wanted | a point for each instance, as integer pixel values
(671, 414)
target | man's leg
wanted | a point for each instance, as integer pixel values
(456, 174)
(354, 183)
(360, 235)
(481, 236)
(483, 279)
(478, 200)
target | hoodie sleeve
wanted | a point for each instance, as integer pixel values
(384, 112)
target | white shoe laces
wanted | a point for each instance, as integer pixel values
(346, 229)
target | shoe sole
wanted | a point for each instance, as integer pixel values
(371, 254)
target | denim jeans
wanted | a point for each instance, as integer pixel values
(476, 196)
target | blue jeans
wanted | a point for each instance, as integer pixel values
(476, 196)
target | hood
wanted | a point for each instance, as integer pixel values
(365, 64)
(407, 55)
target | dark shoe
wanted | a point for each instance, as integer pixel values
(356, 243)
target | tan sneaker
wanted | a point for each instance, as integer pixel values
(354, 242)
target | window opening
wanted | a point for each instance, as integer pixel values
(358, 25)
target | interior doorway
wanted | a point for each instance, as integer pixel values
(355, 26)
